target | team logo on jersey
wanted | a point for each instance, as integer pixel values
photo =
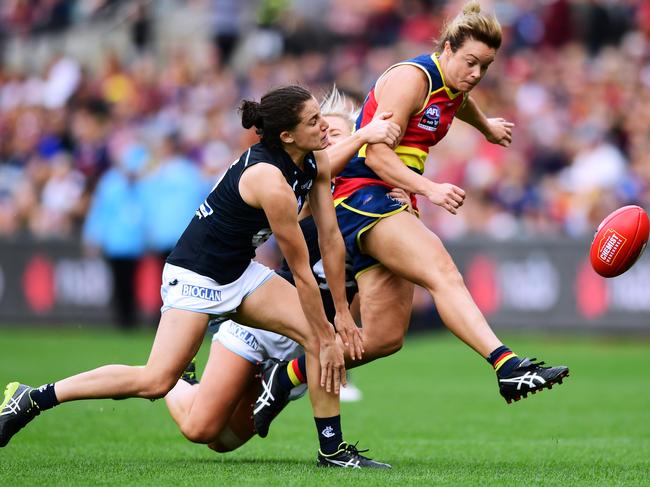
(204, 210)
(431, 119)
(307, 185)
(201, 292)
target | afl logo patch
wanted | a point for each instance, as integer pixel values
(431, 119)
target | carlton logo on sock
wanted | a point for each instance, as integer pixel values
(328, 432)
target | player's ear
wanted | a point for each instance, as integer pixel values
(287, 137)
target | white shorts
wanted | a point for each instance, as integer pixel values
(256, 345)
(185, 289)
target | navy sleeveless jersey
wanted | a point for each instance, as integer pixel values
(220, 240)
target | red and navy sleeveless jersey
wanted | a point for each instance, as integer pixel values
(425, 129)
(221, 239)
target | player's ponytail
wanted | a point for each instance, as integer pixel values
(278, 111)
(251, 115)
(471, 23)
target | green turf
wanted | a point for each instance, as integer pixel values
(432, 411)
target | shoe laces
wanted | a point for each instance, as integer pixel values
(353, 450)
(535, 365)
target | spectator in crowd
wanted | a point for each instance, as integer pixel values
(574, 77)
(115, 227)
(172, 191)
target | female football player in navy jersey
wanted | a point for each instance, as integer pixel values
(236, 351)
(390, 248)
(211, 272)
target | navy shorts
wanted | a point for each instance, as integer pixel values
(357, 214)
(310, 232)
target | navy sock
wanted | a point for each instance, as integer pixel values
(330, 435)
(44, 397)
(294, 374)
(503, 360)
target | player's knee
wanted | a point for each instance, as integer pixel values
(392, 345)
(444, 275)
(197, 433)
(386, 345)
(156, 386)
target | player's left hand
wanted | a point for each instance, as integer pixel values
(499, 131)
(350, 334)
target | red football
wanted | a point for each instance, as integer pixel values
(619, 241)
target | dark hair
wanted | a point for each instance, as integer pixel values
(277, 111)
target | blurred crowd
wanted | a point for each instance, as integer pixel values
(122, 154)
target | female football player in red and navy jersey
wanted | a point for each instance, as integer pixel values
(390, 248)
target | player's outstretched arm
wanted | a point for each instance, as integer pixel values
(332, 251)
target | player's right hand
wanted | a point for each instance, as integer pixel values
(381, 130)
(447, 196)
(403, 197)
(349, 333)
(332, 366)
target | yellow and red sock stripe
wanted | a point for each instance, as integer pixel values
(295, 375)
(503, 358)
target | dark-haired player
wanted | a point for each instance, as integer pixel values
(211, 272)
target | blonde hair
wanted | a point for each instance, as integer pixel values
(471, 24)
(335, 104)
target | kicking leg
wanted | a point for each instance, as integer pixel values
(407, 248)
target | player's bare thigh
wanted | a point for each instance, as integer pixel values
(385, 301)
(225, 380)
(275, 306)
(409, 249)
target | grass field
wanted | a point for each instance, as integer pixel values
(432, 411)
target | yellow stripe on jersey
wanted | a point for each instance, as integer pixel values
(362, 151)
(412, 157)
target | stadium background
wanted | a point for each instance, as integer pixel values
(142, 95)
(90, 85)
